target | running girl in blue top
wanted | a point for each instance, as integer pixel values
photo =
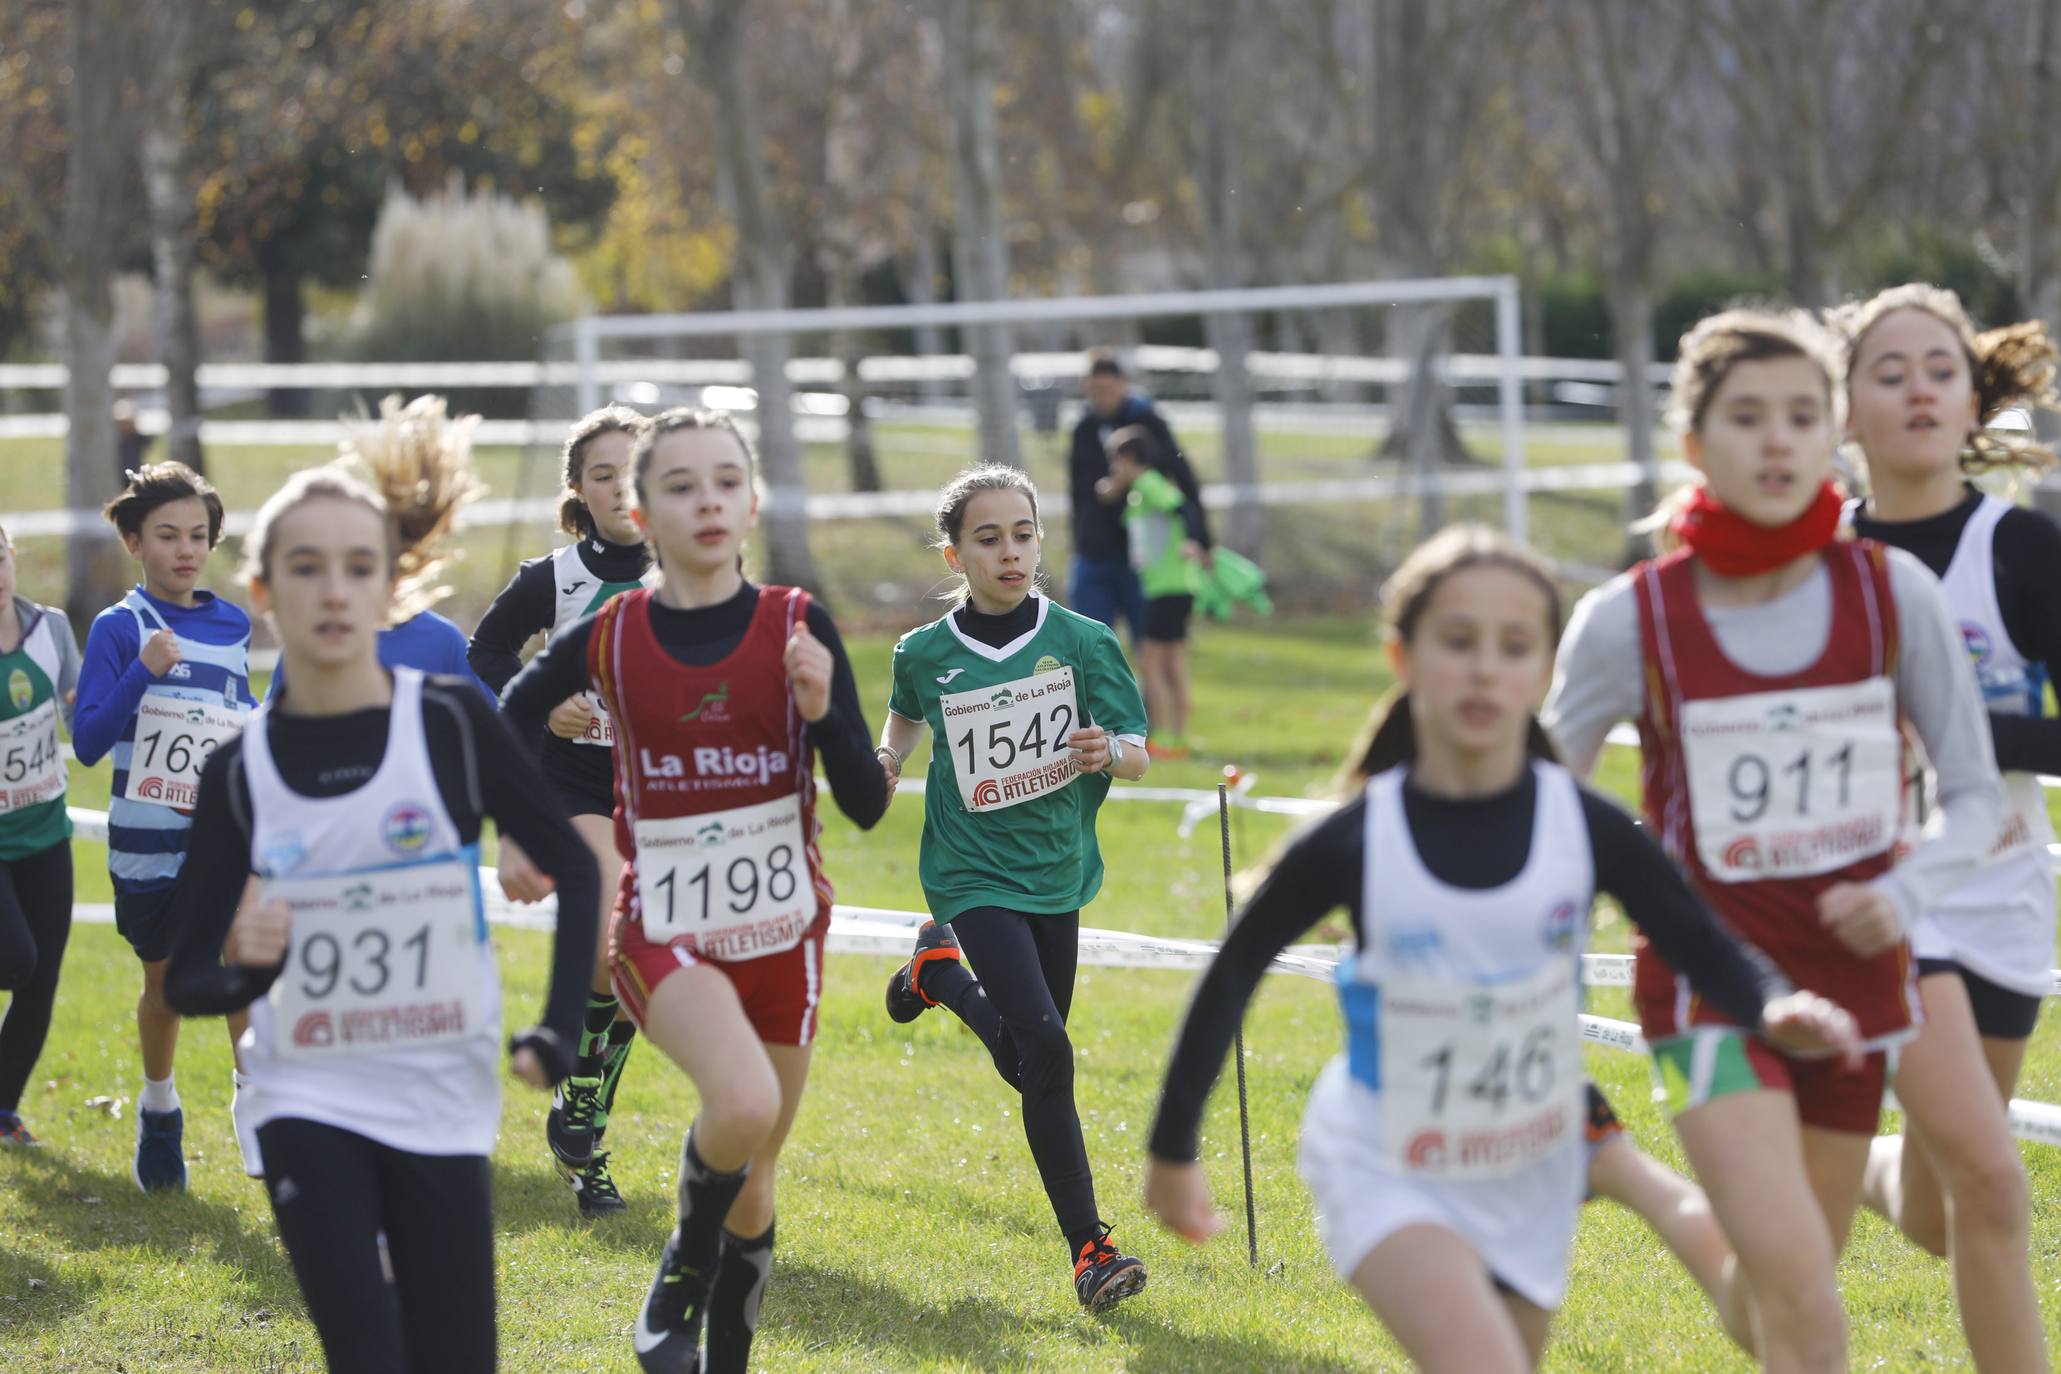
(165, 680)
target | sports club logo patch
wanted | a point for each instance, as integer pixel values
(1976, 641)
(1047, 664)
(20, 690)
(713, 708)
(405, 828)
(1559, 926)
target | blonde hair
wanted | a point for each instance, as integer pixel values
(573, 516)
(328, 482)
(2009, 366)
(419, 459)
(1706, 356)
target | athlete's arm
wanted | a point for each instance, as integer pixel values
(2028, 552)
(1732, 976)
(513, 792)
(112, 680)
(1318, 873)
(1596, 676)
(842, 739)
(558, 671)
(197, 982)
(1939, 695)
(523, 609)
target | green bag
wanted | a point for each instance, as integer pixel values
(1233, 580)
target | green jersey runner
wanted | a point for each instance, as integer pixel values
(998, 722)
(37, 675)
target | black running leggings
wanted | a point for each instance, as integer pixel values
(1025, 965)
(35, 925)
(333, 1193)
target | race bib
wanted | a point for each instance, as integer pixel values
(1794, 783)
(600, 727)
(31, 764)
(728, 884)
(1008, 742)
(1479, 1080)
(174, 737)
(380, 960)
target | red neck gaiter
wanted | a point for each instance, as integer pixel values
(1733, 546)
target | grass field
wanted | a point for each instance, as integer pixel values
(1320, 558)
(913, 1234)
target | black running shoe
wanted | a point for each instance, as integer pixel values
(668, 1331)
(905, 997)
(595, 1190)
(1103, 1276)
(160, 1159)
(569, 1129)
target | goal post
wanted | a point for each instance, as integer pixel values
(608, 352)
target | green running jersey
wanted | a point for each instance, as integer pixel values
(1006, 820)
(32, 766)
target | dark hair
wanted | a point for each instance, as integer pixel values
(573, 516)
(960, 491)
(684, 418)
(1134, 441)
(160, 484)
(1104, 362)
(2008, 366)
(1389, 737)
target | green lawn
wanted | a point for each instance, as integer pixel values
(913, 1234)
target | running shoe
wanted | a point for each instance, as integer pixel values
(668, 1331)
(569, 1128)
(595, 1190)
(14, 1132)
(246, 1133)
(906, 999)
(1103, 1276)
(160, 1158)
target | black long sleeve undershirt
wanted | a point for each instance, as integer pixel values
(478, 773)
(706, 635)
(1475, 844)
(2024, 559)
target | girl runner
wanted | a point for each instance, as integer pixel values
(356, 796)
(1445, 1146)
(1768, 668)
(1030, 709)
(420, 462)
(547, 595)
(725, 693)
(164, 682)
(1921, 385)
(40, 662)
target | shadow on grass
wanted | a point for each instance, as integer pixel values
(826, 1308)
(89, 1209)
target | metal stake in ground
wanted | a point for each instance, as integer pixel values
(1244, 1112)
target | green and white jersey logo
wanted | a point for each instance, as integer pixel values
(579, 593)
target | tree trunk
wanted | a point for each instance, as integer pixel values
(285, 339)
(170, 192)
(1631, 327)
(980, 252)
(94, 575)
(922, 285)
(1217, 169)
(762, 281)
(859, 454)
